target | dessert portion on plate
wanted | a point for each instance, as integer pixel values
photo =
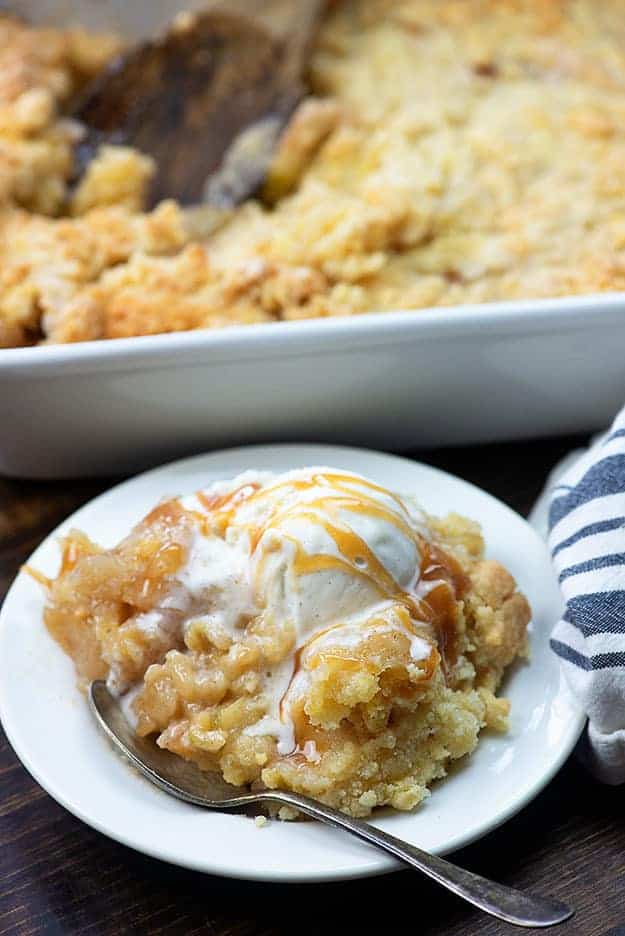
(449, 152)
(312, 631)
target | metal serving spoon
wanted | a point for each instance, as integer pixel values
(208, 99)
(187, 782)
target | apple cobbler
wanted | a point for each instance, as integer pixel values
(310, 631)
(449, 152)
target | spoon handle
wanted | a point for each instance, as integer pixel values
(500, 901)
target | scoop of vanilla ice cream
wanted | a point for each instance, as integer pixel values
(326, 545)
(309, 549)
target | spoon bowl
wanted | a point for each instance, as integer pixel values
(187, 782)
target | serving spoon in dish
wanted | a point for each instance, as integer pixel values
(204, 87)
(207, 98)
(187, 782)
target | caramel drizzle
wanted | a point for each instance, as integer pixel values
(167, 512)
(70, 555)
(226, 504)
(315, 657)
(402, 623)
(231, 500)
(355, 556)
(353, 499)
(223, 506)
(450, 584)
(38, 576)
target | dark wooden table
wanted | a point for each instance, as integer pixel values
(57, 876)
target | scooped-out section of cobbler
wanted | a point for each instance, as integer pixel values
(310, 631)
(449, 152)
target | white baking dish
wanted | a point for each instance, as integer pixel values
(399, 380)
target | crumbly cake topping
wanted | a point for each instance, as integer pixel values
(451, 152)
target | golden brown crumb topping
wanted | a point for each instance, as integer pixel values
(451, 152)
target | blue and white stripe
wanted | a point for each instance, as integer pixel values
(587, 541)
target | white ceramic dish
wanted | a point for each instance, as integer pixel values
(48, 723)
(398, 380)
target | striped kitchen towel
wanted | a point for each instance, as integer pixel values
(587, 542)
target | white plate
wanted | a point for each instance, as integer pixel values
(396, 380)
(48, 724)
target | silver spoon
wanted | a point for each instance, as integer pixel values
(187, 782)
